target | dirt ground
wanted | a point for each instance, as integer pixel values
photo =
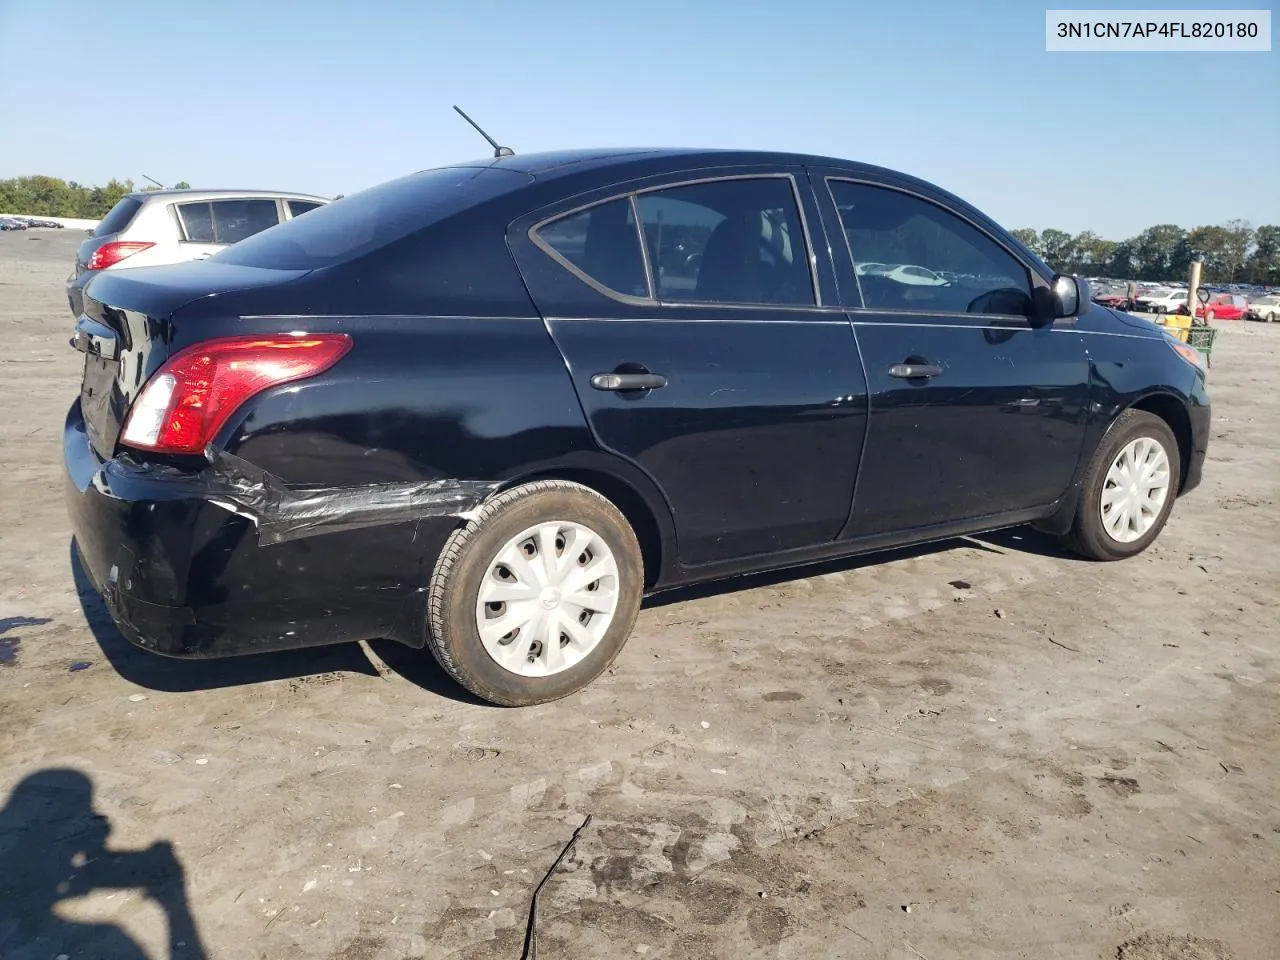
(980, 749)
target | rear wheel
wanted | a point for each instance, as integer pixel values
(536, 595)
(1210, 316)
(1128, 489)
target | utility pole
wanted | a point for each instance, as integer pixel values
(1192, 285)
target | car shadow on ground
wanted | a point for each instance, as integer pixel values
(1013, 540)
(419, 667)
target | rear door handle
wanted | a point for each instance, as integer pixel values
(628, 381)
(915, 371)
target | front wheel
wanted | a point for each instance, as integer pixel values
(1128, 489)
(536, 595)
(1271, 318)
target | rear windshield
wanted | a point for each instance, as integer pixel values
(119, 216)
(362, 222)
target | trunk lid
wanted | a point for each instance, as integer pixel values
(129, 326)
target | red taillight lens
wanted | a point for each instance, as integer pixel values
(109, 254)
(191, 397)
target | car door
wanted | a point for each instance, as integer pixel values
(975, 410)
(692, 322)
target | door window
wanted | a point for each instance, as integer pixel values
(910, 254)
(227, 221)
(727, 241)
(601, 245)
(233, 220)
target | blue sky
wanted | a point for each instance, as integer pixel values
(332, 97)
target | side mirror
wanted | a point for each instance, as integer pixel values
(1069, 296)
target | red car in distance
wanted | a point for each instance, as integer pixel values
(1222, 306)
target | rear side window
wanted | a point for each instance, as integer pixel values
(602, 245)
(227, 221)
(236, 220)
(118, 217)
(926, 258)
(299, 207)
(727, 241)
(197, 221)
(723, 241)
(362, 222)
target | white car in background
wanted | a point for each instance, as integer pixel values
(1163, 301)
(153, 228)
(1265, 308)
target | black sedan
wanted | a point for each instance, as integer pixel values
(485, 409)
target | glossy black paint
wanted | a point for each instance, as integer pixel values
(779, 438)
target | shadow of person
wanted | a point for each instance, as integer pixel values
(52, 849)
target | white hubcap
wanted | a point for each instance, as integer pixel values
(1135, 490)
(547, 598)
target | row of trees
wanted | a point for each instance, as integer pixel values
(1233, 253)
(41, 196)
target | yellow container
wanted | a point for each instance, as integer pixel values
(1177, 323)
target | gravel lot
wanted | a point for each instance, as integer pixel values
(980, 749)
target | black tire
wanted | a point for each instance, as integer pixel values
(1271, 317)
(1088, 537)
(452, 635)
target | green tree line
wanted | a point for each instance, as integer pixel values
(1233, 253)
(42, 196)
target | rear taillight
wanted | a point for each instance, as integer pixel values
(109, 254)
(191, 397)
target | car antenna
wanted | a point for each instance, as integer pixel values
(498, 151)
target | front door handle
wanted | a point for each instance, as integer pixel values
(628, 381)
(914, 371)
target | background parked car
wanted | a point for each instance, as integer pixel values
(1223, 306)
(1167, 301)
(12, 223)
(1265, 308)
(148, 229)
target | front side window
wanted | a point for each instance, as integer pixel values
(234, 220)
(925, 258)
(601, 244)
(727, 241)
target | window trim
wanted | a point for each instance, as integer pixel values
(653, 300)
(1032, 275)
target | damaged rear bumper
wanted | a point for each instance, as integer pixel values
(228, 560)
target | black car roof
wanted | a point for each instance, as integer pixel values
(557, 163)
